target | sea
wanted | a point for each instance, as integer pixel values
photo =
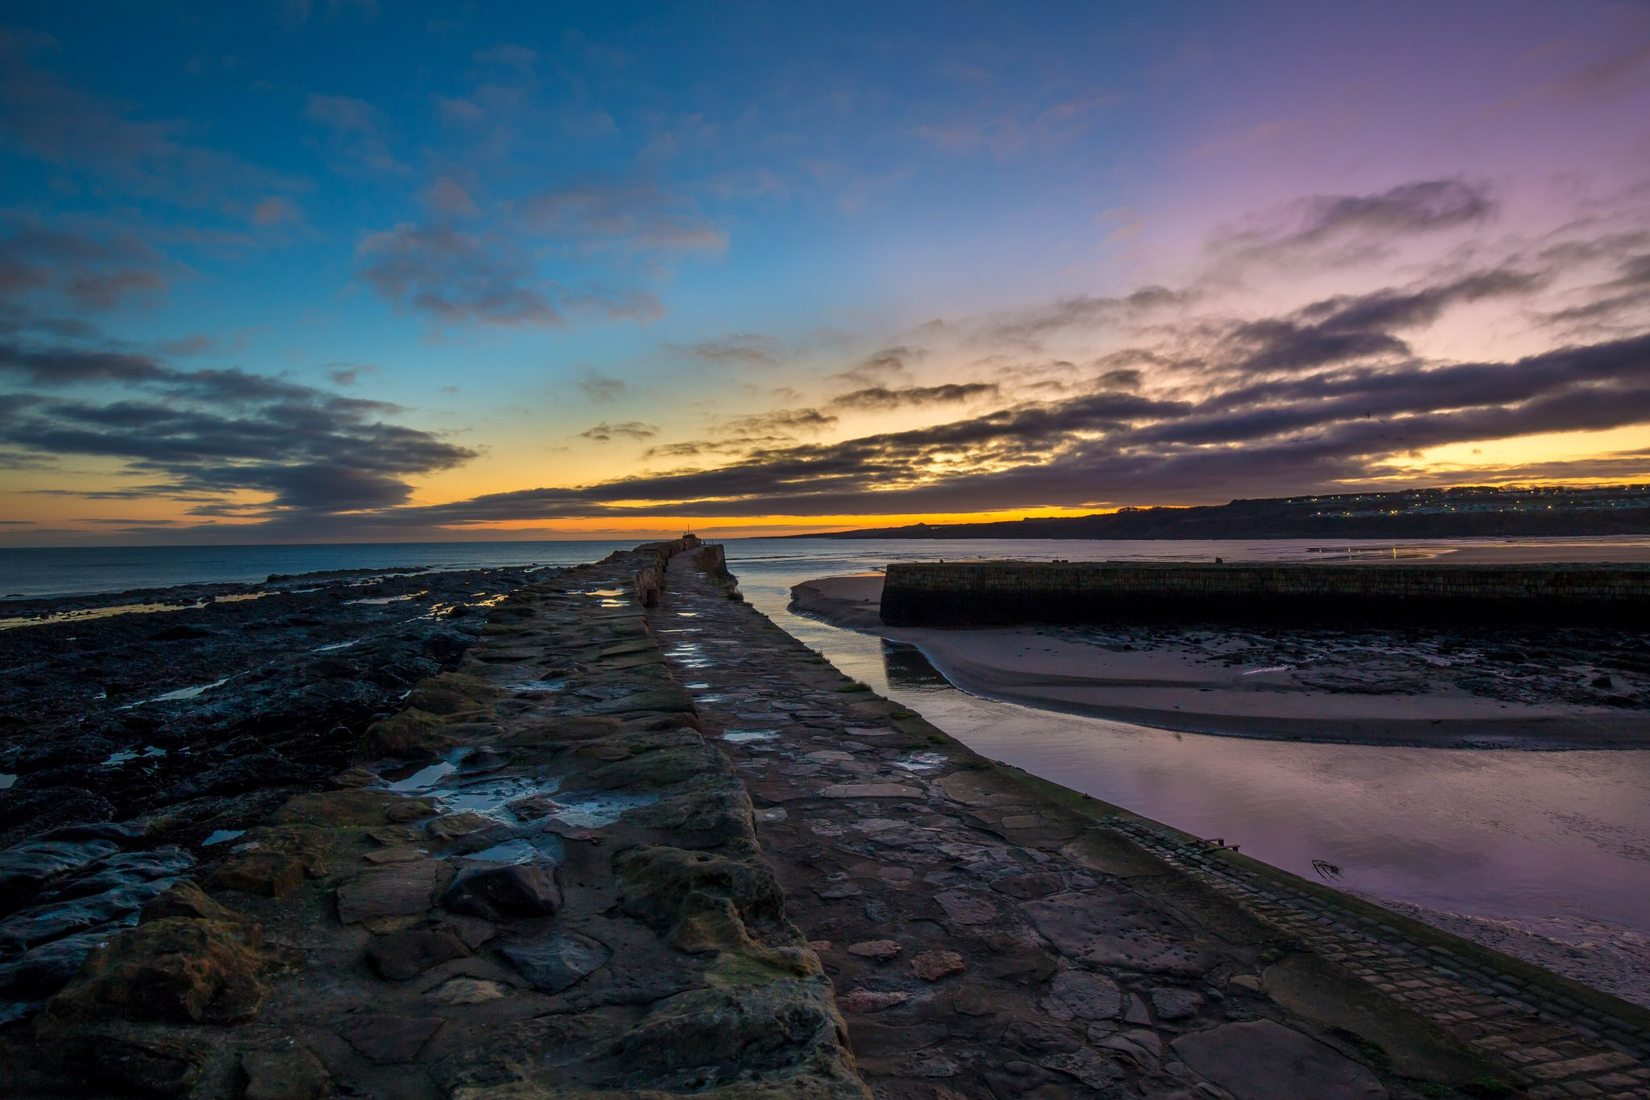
(1552, 843)
(88, 570)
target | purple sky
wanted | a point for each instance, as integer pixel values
(341, 270)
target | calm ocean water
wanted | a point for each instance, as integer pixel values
(83, 570)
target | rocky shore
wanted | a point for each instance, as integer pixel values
(637, 841)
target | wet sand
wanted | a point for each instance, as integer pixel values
(1563, 689)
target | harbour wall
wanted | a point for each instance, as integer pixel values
(1003, 592)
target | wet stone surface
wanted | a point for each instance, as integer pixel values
(985, 941)
(140, 747)
(534, 877)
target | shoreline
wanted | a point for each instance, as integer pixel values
(1192, 681)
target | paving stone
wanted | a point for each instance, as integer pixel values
(388, 1039)
(1263, 1060)
(400, 889)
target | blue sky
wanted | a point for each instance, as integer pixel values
(562, 269)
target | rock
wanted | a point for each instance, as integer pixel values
(1083, 995)
(401, 889)
(870, 790)
(1175, 1004)
(1249, 983)
(43, 970)
(388, 1039)
(1118, 930)
(1139, 1046)
(499, 893)
(283, 1075)
(185, 899)
(868, 1000)
(1262, 1060)
(965, 908)
(468, 991)
(25, 868)
(656, 882)
(400, 853)
(558, 961)
(403, 955)
(264, 873)
(1037, 884)
(453, 826)
(881, 950)
(150, 1064)
(174, 969)
(1093, 1069)
(931, 966)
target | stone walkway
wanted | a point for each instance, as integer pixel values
(987, 939)
(1566, 1046)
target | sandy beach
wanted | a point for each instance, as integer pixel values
(1549, 689)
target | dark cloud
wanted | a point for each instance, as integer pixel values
(629, 429)
(203, 435)
(881, 397)
(600, 387)
(356, 132)
(626, 217)
(1031, 326)
(49, 119)
(881, 367)
(738, 349)
(455, 276)
(1348, 227)
(85, 270)
(1335, 425)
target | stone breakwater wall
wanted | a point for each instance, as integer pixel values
(985, 593)
(650, 578)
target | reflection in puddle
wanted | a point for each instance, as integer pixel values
(908, 668)
(179, 694)
(598, 810)
(6, 780)
(336, 646)
(536, 687)
(222, 835)
(386, 599)
(740, 736)
(81, 613)
(149, 752)
(921, 762)
(424, 777)
(510, 852)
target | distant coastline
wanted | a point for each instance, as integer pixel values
(1466, 512)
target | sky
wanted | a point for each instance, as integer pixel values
(322, 270)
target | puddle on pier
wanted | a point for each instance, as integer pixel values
(536, 687)
(149, 752)
(741, 736)
(921, 762)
